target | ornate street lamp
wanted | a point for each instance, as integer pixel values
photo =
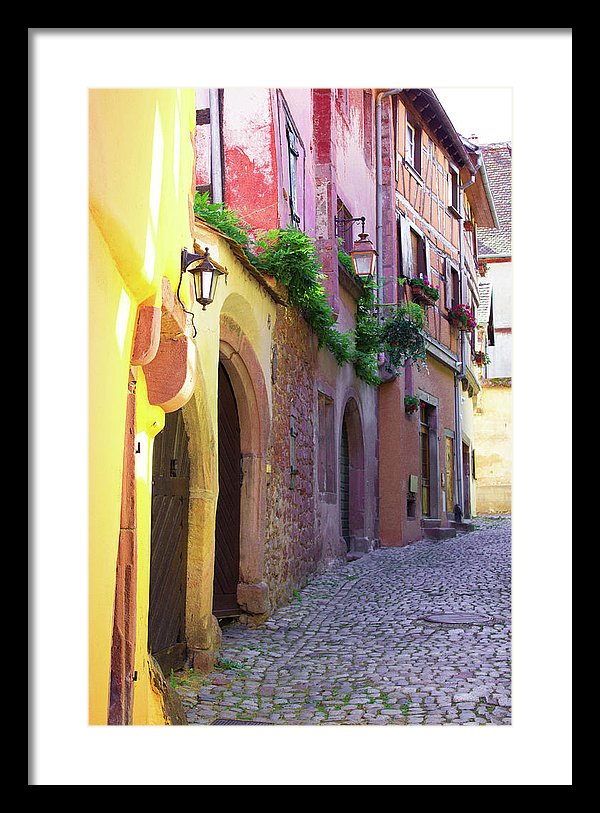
(206, 275)
(363, 253)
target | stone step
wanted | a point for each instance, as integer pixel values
(438, 533)
(463, 527)
(430, 523)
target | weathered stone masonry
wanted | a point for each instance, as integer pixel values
(290, 538)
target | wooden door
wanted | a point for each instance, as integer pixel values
(450, 475)
(345, 485)
(168, 547)
(424, 462)
(227, 532)
(466, 457)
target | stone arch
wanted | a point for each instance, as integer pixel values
(351, 426)
(248, 382)
(202, 632)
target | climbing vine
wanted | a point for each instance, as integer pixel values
(290, 257)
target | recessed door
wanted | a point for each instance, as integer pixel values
(425, 467)
(168, 545)
(227, 531)
(345, 485)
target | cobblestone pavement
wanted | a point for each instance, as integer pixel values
(354, 646)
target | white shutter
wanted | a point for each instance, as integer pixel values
(448, 275)
(406, 248)
(427, 260)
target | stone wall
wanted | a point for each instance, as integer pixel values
(290, 538)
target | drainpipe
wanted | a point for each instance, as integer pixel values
(216, 160)
(379, 181)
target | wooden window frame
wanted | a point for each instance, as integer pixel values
(413, 158)
(454, 190)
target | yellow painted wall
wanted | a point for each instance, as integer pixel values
(493, 433)
(141, 175)
(242, 300)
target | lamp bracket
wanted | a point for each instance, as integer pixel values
(342, 224)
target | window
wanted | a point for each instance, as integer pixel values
(292, 167)
(455, 287)
(293, 154)
(412, 152)
(418, 254)
(326, 449)
(345, 228)
(412, 254)
(453, 190)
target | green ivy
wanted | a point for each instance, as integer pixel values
(403, 338)
(224, 219)
(290, 257)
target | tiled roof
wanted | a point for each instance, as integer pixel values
(498, 165)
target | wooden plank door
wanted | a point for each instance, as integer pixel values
(450, 499)
(345, 485)
(424, 462)
(168, 546)
(227, 532)
(466, 459)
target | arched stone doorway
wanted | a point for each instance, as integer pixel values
(352, 479)
(242, 372)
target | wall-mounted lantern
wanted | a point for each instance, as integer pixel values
(363, 253)
(206, 275)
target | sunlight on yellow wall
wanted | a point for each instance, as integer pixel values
(141, 171)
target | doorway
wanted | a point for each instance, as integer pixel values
(352, 475)
(227, 530)
(466, 459)
(345, 486)
(168, 544)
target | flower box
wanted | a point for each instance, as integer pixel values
(422, 292)
(481, 358)
(411, 404)
(461, 318)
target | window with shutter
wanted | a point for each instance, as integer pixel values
(293, 154)
(405, 248)
(448, 284)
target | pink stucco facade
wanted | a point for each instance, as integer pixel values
(330, 141)
(307, 157)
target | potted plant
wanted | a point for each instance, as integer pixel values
(411, 404)
(402, 337)
(461, 317)
(422, 291)
(481, 357)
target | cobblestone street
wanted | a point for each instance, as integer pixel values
(419, 635)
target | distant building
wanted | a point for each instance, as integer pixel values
(493, 414)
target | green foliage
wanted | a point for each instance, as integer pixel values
(481, 357)
(402, 336)
(423, 284)
(411, 403)
(290, 257)
(222, 218)
(367, 336)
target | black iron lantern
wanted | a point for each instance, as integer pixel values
(206, 275)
